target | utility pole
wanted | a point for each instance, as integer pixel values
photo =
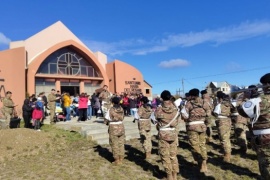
(178, 92)
(183, 86)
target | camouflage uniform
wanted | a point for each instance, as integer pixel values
(106, 101)
(224, 123)
(167, 136)
(240, 128)
(8, 109)
(144, 125)
(209, 119)
(261, 141)
(196, 112)
(116, 133)
(51, 104)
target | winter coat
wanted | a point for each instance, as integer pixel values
(26, 108)
(37, 114)
(83, 102)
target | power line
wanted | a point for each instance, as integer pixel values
(248, 70)
(235, 72)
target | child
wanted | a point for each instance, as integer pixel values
(37, 115)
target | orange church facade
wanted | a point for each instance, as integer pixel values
(56, 58)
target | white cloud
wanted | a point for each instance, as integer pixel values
(174, 63)
(140, 46)
(233, 66)
(4, 39)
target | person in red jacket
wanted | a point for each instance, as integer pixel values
(37, 115)
(83, 100)
(125, 104)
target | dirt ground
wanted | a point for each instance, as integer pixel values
(57, 154)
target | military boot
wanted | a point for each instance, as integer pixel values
(174, 175)
(169, 176)
(203, 167)
(147, 155)
(116, 161)
(227, 157)
(121, 158)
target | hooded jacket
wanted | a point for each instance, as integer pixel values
(26, 108)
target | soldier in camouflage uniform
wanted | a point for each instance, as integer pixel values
(209, 119)
(8, 108)
(240, 123)
(195, 113)
(52, 104)
(105, 98)
(144, 125)
(114, 119)
(223, 112)
(260, 128)
(166, 116)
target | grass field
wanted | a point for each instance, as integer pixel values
(58, 154)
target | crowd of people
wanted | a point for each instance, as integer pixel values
(246, 110)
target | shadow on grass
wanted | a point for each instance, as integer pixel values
(191, 171)
(252, 157)
(231, 167)
(104, 152)
(136, 156)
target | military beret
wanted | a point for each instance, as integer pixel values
(220, 94)
(203, 92)
(252, 87)
(115, 100)
(144, 100)
(166, 95)
(265, 78)
(186, 95)
(194, 92)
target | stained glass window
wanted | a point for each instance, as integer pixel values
(66, 61)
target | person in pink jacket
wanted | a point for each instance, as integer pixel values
(83, 100)
(37, 115)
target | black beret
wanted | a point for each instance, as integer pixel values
(194, 92)
(252, 87)
(186, 95)
(203, 92)
(220, 94)
(166, 95)
(144, 100)
(265, 78)
(115, 100)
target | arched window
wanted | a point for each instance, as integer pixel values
(66, 61)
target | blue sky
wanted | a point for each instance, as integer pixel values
(197, 41)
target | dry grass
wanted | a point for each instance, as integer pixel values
(69, 156)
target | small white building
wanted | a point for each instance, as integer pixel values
(223, 86)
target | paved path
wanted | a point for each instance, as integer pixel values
(95, 129)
